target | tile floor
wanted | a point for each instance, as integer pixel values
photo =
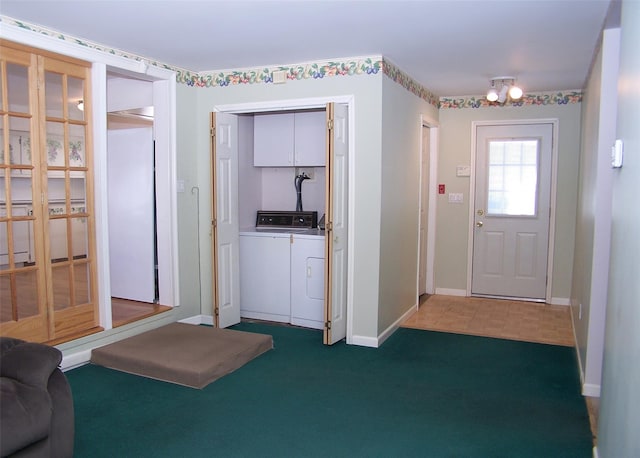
(506, 319)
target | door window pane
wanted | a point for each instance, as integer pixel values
(18, 88)
(19, 142)
(21, 190)
(78, 192)
(55, 144)
(58, 237)
(513, 177)
(75, 88)
(2, 80)
(6, 307)
(81, 283)
(79, 235)
(4, 245)
(76, 146)
(61, 291)
(21, 236)
(53, 92)
(27, 293)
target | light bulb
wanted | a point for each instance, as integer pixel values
(503, 94)
(515, 92)
(492, 95)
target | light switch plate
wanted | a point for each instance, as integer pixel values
(617, 151)
(463, 171)
(455, 198)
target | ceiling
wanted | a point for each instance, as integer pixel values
(451, 47)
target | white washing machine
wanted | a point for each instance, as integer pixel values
(282, 270)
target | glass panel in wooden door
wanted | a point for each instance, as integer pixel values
(71, 260)
(23, 308)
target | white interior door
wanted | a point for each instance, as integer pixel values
(131, 213)
(336, 224)
(424, 206)
(512, 210)
(226, 238)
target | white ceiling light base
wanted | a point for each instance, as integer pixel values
(501, 87)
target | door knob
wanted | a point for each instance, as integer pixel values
(479, 224)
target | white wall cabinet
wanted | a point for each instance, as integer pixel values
(290, 139)
(282, 281)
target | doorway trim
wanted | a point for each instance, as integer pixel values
(554, 180)
(164, 101)
(434, 133)
(306, 103)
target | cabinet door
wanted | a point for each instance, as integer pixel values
(310, 139)
(273, 140)
(265, 276)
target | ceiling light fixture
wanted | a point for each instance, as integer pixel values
(501, 86)
(81, 105)
(492, 95)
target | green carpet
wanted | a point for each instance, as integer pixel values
(422, 393)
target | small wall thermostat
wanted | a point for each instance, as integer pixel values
(616, 154)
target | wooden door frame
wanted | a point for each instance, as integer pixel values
(552, 203)
(307, 103)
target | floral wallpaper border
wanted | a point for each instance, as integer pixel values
(542, 98)
(86, 44)
(404, 80)
(313, 70)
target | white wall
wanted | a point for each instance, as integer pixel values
(190, 235)
(399, 214)
(127, 93)
(593, 221)
(453, 219)
(279, 192)
(619, 420)
(195, 165)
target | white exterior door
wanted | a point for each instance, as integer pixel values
(336, 224)
(512, 210)
(131, 213)
(226, 238)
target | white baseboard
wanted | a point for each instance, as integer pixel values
(198, 319)
(591, 390)
(394, 327)
(451, 292)
(365, 341)
(560, 301)
(75, 360)
(375, 342)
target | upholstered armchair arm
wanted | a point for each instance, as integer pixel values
(28, 363)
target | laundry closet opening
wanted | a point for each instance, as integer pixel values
(281, 198)
(279, 187)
